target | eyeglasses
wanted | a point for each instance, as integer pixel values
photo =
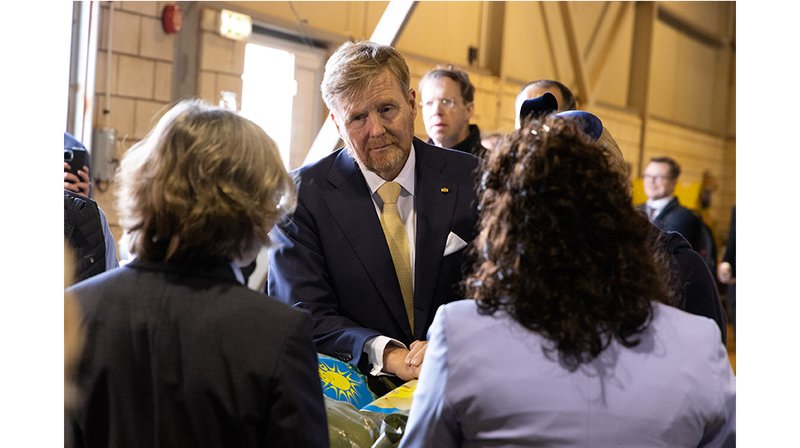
(447, 103)
(657, 178)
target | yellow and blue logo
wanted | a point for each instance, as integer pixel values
(341, 381)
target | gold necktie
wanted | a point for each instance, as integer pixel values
(397, 240)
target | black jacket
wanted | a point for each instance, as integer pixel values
(185, 356)
(83, 231)
(697, 287)
(472, 144)
(677, 218)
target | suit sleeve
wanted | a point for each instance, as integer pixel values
(690, 226)
(297, 412)
(700, 289)
(431, 420)
(299, 276)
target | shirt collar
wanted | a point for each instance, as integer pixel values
(658, 204)
(405, 178)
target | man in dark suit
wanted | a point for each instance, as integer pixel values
(662, 207)
(372, 282)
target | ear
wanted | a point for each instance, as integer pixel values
(470, 110)
(412, 101)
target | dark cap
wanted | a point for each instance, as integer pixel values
(590, 124)
(538, 107)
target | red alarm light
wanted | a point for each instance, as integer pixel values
(172, 19)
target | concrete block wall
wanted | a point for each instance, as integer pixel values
(134, 77)
(133, 81)
(221, 60)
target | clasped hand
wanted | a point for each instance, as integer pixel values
(405, 363)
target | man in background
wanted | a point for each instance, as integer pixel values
(447, 106)
(662, 207)
(534, 89)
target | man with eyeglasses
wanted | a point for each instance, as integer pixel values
(662, 207)
(447, 106)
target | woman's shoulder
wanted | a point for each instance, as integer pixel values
(465, 316)
(461, 309)
(684, 326)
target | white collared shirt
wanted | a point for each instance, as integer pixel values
(407, 209)
(658, 204)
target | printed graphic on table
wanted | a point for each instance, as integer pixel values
(341, 381)
(398, 401)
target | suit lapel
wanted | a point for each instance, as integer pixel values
(436, 200)
(665, 211)
(354, 212)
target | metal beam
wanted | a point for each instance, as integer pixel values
(82, 70)
(605, 50)
(387, 32)
(575, 54)
(550, 45)
(641, 61)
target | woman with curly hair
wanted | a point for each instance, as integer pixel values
(178, 352)
(570, 339)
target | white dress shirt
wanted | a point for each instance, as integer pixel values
(408, 215)
(657, 205)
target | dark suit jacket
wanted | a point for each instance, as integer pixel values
(186, 356)
(696, 284)
(332, 259)
(677, 218)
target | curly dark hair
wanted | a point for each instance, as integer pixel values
(561, 247)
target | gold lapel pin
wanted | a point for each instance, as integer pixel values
(445, 190)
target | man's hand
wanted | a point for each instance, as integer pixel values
(725, 273)
(80, 183)
(403, 363)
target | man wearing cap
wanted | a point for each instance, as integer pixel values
(376, 244)
(447, 106)
(565, 100)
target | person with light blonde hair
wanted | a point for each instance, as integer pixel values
(178, 351)
(378, 238)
